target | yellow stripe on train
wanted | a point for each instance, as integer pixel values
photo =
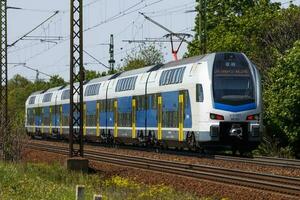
(116, 118)
(133, 118)
(159, 124)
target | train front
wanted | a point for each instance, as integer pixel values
(236, 90)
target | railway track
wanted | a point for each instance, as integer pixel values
(262, 160)
(280, 184)
(257, 160)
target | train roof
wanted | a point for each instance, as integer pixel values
(184, 61)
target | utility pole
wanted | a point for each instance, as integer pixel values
(203, 26)
(76, 80)
(111, 54)
(3, 81)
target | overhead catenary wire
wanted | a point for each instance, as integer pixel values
(30, 68)
(165, 28)
(131, 9)
(32, 30)
(98, 61)
(121, 14)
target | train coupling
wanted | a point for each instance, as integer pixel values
(236, 131)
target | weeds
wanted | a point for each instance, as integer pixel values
(50, 182)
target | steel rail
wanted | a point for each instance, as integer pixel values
(268, 182)
(257, 160)
(261, 160)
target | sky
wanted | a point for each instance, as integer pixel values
(101, 18)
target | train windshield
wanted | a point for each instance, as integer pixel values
(232, 80)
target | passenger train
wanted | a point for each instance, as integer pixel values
(209, 100)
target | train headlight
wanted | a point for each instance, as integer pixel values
(216, 116)
(253, 117)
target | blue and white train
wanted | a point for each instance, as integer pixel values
(201, 101)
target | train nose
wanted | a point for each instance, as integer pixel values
(236, 131)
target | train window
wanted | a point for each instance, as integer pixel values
(199, 93)
(30, 116)
(162, 78)
(32, 100)
(92, 90)
(91, 119)
(47, 97)
(65, 94)
(170, 119)
(65, 120)
(172, 76)
(46, 116)
(110, 105)
(176, 76)
(181, 72)
(167, 82)
(232, 80)
(152, 101)
(140, 101)
(126, 84)
(37, 111)
(124, 119)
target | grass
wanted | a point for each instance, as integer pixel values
(41, 181)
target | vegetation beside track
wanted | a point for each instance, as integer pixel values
(41, 181)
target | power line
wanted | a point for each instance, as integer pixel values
(21, 38)
(98, 61)
(165, 28)
(119, 15)
(170, 8)
(30, 68)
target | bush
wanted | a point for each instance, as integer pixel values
(282, 99)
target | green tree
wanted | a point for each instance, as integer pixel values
(56, 81)
(282, 98)
(19, 88)
(91, 74)
(218, 13)
(247, 27)
(146, 55)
